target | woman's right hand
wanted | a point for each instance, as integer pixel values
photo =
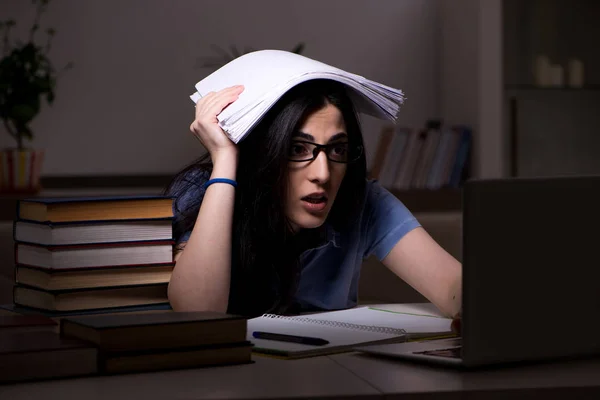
(206, 127)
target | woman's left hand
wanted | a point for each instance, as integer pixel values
(455, 326)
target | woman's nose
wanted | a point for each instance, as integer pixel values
(319, 168)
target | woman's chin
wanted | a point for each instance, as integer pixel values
(310, 221)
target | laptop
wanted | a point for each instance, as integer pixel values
(531, 275)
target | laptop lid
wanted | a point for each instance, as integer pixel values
(531, 269)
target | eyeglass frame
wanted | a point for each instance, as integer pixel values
(323, 147)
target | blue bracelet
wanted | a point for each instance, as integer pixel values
(219, 180)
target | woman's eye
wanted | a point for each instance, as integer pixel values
(298, 149)
(340, 150)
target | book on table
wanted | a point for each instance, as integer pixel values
(343, 330)
(35, 355)
(92, 232)
(179, 358)
(94, 255)
(121, 343)
(26, 323)
(58, 315)
(164, 330)
(166, 340)
(95, 208)
(81, 278)
(90, 298)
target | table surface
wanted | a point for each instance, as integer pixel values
(350, 375)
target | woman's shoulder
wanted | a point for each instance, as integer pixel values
(378, 199)
(375, 193)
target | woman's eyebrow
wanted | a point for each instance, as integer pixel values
(337, 136)
(304, 136)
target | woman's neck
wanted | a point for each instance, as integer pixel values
(306, 239)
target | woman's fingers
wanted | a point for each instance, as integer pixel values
(214, 103)
(455, 326)
(205, 125)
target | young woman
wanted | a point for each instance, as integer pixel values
(282, 221)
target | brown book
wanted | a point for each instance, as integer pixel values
(80, 278)
(91, 232)
(204, 356)
(127, 332)
(94, 255)
(43, 355)
(89, 299)
(63, 209)
(26, 323)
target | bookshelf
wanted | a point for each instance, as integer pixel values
(424, 167)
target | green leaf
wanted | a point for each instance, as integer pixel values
(26, 132)
(219, 50)
(299, 48)
(234, 51)
(23, 113)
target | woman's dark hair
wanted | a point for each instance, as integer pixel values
(265, 259)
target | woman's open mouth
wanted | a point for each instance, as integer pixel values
(315, 202)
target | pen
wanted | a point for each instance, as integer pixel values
(290, 338)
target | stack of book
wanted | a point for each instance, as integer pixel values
(37, 347)
(93, 254)
(161, 341)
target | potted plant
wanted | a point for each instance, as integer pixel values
(27, 77)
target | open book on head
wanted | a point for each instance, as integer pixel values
(268, 74)
(340, 331)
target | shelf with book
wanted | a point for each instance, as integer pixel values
(424, 168)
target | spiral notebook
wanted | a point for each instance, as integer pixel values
(344, 330)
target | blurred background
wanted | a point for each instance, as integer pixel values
(124, 108)
(519, 77)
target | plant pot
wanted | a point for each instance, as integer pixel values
(20, 171)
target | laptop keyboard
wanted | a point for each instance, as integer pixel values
(450, 352)
(453, 352)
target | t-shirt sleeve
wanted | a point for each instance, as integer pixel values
(188, 192)
(388, 220)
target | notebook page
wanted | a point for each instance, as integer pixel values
(336, 335)
(372, 317)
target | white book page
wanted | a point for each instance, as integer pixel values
(268, 74)
(367, 316)
(259, 72)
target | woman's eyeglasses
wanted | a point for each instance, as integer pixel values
(340, 152)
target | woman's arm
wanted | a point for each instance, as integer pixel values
(200, 279)
(422, 263)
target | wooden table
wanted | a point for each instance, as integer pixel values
(350, 375)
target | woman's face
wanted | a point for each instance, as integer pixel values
(314, 184)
